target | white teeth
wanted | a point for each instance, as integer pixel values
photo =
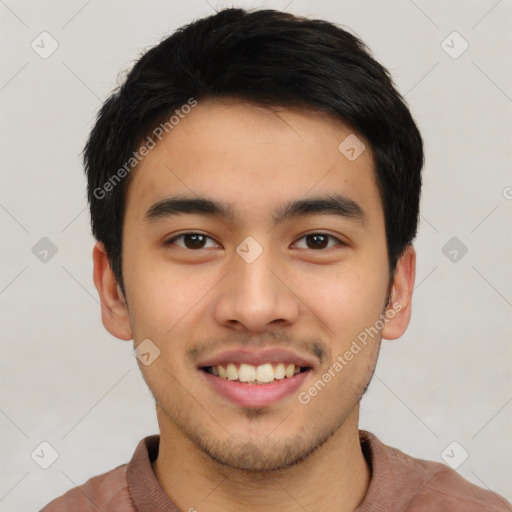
(279, 372)
(264, 373)
(247, 373)
(231, 372)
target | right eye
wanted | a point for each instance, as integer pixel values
(191, 240)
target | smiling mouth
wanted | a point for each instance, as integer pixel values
(249, 374)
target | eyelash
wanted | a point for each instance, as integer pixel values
(339, 242)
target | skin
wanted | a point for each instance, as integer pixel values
(192, 303)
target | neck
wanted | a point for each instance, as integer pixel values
(336, 472)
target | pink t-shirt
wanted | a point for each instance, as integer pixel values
(399, 483)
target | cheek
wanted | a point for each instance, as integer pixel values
(161, 295)
(347, 299)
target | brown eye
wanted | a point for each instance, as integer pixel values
(194, 241)
(190, 240)
(319, 241)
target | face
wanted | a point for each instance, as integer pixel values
(286, 266)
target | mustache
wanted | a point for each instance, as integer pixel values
(308, 345)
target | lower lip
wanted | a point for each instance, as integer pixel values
(255, 395)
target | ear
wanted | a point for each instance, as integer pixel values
(114, 310)
(398, 311)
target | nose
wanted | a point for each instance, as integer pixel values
(256, 296)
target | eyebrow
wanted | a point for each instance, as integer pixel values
(331, 204)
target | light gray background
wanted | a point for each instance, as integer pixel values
(66, 381)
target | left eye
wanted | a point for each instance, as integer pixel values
(319, 240)
(314, 241)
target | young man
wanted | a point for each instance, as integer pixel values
(254, 189)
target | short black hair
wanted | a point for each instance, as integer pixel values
(269, 58)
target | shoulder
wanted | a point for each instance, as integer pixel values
(439, 487)
(444, 489)
(410, 484)
(107, 492)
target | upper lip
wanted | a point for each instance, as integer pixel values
(257, 357)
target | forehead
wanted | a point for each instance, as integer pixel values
(252, 157)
